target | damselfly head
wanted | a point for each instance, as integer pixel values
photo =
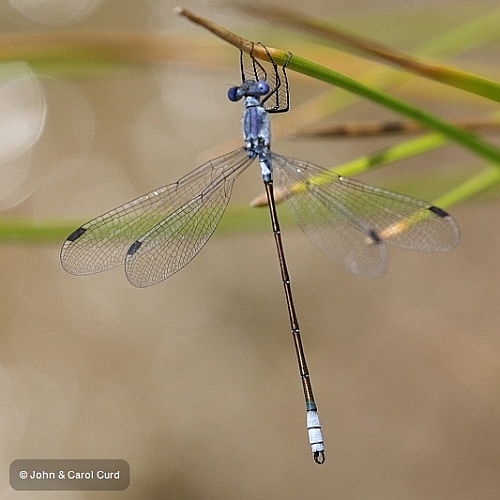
(248, 88)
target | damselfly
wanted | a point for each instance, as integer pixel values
(157, 234)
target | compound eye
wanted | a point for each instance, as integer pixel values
(234, 94)
(262, 87)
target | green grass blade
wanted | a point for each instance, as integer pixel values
(436, 71)
(469, 141)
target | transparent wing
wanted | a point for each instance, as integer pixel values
(173, 242)
(350, 221)
(103, 242)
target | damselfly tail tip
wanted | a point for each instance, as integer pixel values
(319, 457)
(315, 436)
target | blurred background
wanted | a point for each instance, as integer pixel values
(194, 381)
